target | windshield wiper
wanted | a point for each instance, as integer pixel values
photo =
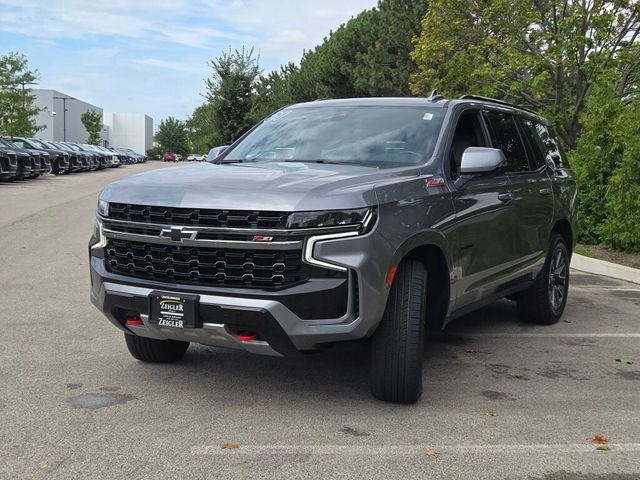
(328, 162)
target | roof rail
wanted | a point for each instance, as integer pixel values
(493, 100)
(435, 96)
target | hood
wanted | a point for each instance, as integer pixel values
(274, 186)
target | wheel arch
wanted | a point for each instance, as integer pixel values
(434, 256)
(563, 227)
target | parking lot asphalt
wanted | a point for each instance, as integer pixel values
(502, 400)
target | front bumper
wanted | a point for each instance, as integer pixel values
(280, 329)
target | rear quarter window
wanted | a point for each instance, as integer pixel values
(550, 146)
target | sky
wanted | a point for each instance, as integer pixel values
(150, 56)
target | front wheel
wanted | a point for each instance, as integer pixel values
(155, 351)
(398, 343)
(544, 302)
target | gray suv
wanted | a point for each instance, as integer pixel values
(338, 220)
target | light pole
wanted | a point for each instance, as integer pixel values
(23, 98)
(64, 115)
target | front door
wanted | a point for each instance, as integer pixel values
(482, 233)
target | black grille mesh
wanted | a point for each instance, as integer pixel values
(206, 266)
(197, 217)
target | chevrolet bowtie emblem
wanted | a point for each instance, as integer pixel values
(178, 234)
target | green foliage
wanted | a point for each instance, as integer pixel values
(172, 136)
(201, 129)
(367, 56)
(230, 95)
(16, 101)
(606, 162)
(92, 122)
(544, 54)
(154, 153)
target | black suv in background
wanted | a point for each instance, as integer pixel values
(338, 220)
(60, 159)
(28, 164)
(40, 159)
(8, 164)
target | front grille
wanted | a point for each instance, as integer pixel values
(206, 266)
(198, 217)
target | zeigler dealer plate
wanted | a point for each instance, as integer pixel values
(174, 310)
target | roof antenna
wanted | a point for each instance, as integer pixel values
(435, 96)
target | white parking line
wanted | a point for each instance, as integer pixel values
(596, 287)
(409, 450)
(558, 334)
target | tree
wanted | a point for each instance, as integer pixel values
(606, 164)
(16, 102)
(172, 136)
(370, 55)
(273, 91)
(230, 94)
(92, 122)
(544, 54)
(201, 129)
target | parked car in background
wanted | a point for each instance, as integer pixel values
(194, 157)
(25, 161)
(8, 164)
(115, 158)
(84, 160)
(135, 157)
(76, 163)
(215, 152)
(38, 159)
(169, 157)
(60, 159)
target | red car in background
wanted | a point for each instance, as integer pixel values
(170, 157)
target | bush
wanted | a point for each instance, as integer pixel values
(607, 165)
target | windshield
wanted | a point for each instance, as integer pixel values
(38, 143)
(376, 136)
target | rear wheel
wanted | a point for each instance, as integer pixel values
(544, 302)
(156, 351)
(398, 343)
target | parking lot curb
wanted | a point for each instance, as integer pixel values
(607, 269)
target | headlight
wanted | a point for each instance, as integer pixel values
(361, 220)
(101, 240)
(103, 208)
(332, 218)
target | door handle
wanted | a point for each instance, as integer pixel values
(545, 191)
(505, 197)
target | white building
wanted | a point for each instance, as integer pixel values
(61, 123)
(134, 131)
(128, 130)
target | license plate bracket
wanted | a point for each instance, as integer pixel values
(174, 310)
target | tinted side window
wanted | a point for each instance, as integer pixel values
(550, 145)
(506, 137)
(468, 133)
(530, 131)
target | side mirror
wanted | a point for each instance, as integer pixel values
(481, 160)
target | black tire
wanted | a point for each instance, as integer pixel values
(397, 344)
(544, 302)
(156, 351)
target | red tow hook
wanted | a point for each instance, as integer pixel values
(247, 336)
(134, 321)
